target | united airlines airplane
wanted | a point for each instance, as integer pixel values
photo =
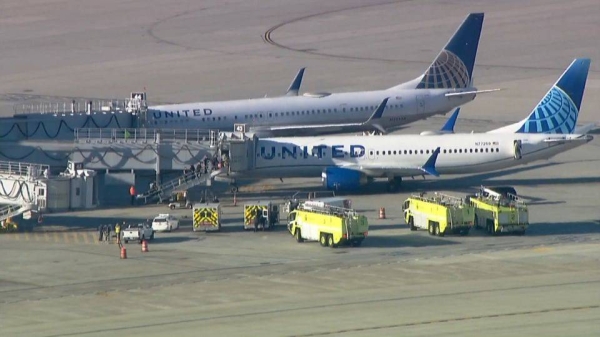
(348, 162)
(446, 84)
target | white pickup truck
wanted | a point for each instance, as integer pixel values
(139, 232)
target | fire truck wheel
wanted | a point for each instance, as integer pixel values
(298, 235)
(323, 240)
(411, 224)
(330, 242)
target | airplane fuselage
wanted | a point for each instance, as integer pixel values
(402, 155)
(261, 114)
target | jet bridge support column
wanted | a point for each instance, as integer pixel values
(157, 153)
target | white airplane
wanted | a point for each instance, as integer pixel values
(348, 162)
(446, 84)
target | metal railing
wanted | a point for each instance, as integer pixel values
(79, 106)
(145, 135)
(23, 169)
(11, 211)
(184, 182)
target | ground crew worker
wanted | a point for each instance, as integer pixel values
(118, 232)
(132, 194)
(257, 215)
(100, 232)
(199, 170)
(108, 230)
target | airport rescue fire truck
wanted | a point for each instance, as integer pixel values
(500, 210)
(206, 217)
(267, 212)
(330, 225)
(439, 214)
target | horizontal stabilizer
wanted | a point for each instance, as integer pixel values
(475, 92)
(295, 85)
(429, 166)
(582, 130)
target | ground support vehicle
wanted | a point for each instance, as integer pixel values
(179, 199)
(502, 212)
(206, 217)
(165, 223)
(267, 212)
(139, 232)
(331, 226)
(439, 214)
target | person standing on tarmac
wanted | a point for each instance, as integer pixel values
(108, 230)
(100, 232)
(118, 232)
(132, 194)
(257, 215)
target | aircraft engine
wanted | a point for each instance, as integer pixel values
(339, 179)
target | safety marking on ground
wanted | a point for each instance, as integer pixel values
(57, 237)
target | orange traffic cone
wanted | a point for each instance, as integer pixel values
(144, 246)
(382, 213)
(123, 252)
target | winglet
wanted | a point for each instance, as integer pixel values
(295, 85)
(379, 111)
(449, 126)
(429, 166)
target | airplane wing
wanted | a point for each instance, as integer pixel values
(371, 123)
(374, 170)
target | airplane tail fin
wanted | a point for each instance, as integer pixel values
(557, 112)
(453, 66)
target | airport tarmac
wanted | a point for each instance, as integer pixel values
(58, 281)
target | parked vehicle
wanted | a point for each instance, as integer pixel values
(165, 223)
(139, 232)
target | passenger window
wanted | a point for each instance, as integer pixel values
(377, 152)
(371, 153)
(404, 151)
(459, 150)
(235, 117)
(203, 119)
(394, 153)
(410, 151)
(219, 118)
(421, 151)
(444, 150)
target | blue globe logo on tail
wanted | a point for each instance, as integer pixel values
(556, 113)
(447, 71)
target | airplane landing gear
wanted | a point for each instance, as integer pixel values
(394, 183)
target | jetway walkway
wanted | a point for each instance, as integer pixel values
(184, 182)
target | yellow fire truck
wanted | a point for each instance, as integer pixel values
(207, 217)
(439, 214)
(497, 210)
(330, 225)
(267, 212)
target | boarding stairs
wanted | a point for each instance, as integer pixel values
(10, 211)
(184, 182)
